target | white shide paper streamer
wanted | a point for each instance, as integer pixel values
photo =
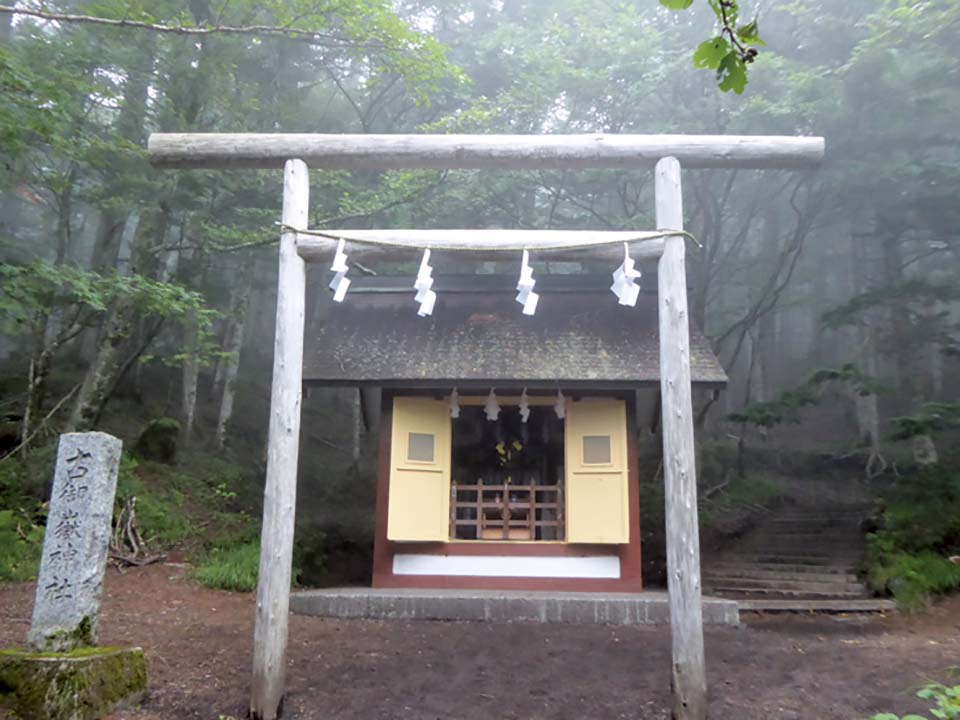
(624, 285)
(526, 296)
(425, 296)
(340, 281)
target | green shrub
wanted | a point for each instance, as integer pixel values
(161, 517)
(21, 544)
(912, 579)
(234, 568)
(947, 706)
(25, 482)
(919, 529)
(754, 490)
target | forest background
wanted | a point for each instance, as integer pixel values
(142, 302)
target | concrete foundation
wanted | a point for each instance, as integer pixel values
(646, 608)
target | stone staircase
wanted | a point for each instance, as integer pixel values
(807, 552)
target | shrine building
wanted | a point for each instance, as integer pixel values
(507, 443)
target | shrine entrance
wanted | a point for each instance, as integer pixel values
(508, 475)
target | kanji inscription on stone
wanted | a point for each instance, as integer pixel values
(67, 605)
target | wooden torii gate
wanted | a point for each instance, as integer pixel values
(514, 152)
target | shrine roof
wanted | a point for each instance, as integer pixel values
(477, 335)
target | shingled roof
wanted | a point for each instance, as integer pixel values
(579, 336)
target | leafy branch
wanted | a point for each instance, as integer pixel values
(931, 417)
(729, 53)
(786, 407)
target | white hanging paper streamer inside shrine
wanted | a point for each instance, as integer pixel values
(524, 406)
(624, 285)
(527, 297)
(560, 406)
(340, 281)
(492, 407)
(425, 296)
(454, 404)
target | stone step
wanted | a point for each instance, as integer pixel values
(807, 529)
(781, 556)
(735, 592)
(750, 584)
(851, 605)
(752, 571)
(776, 558)
(800, 553)
(819, 545)
(502, 606)
(819, 519)
(812, 547)
(727, 563)
(816, 554)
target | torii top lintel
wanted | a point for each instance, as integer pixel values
(500, 152)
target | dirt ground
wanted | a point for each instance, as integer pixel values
(199, 644)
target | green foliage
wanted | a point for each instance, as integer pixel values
(787, 406)
(732, 74)
(717, 467)
(231, 568)
(21, 544)
(28, 293)
(25, 481)
(851, 375)
(729, 53)
(755, 489)
(158, 441)
(771, 413)
(711, 53)
(191, 506)
(930, 418)
(30, 107)
(912, 579)
(920, 529)
(946, 699)
(918, 296)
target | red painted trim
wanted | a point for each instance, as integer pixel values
(384, 549)
(630, 555)
(382, 552)
(456, 582)
(535, 549)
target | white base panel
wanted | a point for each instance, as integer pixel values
(607, 567)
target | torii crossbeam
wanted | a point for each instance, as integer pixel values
(562, 152)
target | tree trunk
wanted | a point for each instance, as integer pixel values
(868, 415)
(190, 379)
(6, 26)
(868, 422)
(130, 126)
(110, 360)
(924, 451)
(105, 369)
(231, 363)
(866, 406)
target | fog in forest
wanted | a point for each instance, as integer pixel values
(131, 294)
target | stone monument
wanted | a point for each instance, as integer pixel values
(66, 675)
(67, 604)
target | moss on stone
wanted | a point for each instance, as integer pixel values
(65, 641)
(84, 684)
